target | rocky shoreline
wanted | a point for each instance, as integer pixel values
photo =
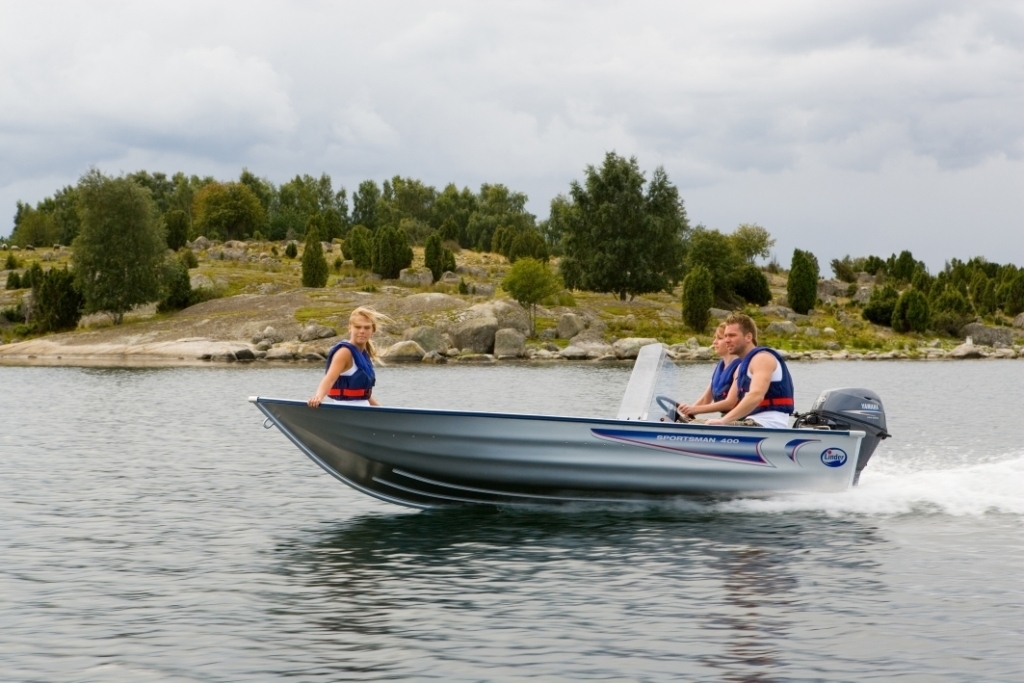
(261, 317)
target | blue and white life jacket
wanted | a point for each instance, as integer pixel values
(779, 396)
(721, 379)
(359, 385)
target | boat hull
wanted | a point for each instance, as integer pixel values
(436, 458)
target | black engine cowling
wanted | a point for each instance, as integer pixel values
(849, 409)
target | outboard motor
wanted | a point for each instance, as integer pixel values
(849, 409)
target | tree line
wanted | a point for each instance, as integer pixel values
(616, 231)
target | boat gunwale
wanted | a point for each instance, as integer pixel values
(549, 418)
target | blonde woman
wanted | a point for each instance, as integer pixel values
(350, 377)
(720, 396)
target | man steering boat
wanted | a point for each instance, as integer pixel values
(763, 382)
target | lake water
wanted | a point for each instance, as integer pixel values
(151, 530)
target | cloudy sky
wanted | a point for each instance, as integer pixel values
(843, 127)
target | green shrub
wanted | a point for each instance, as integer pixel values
(13, 280)
(58, 302)
(358, 247)
(911, 313)
(463, 287)
(881, 305)
(843, 269)
(291, 251)
(529, 282)
(11, 262)
(391, 253)
(177, 223)
(698, 297)
(14, 314)
(188, 258)
(951, 311)
(314, 264)
(802, 286)
(752, 285)
(1011, 294)
(432, 255)
(338, 263)
(177, 286)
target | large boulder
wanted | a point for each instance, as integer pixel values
(784, 327)
(270, 335)
(827, 288)
(507, 313)
(719, 313)
(200, 244)
(416, 277)
(313, 331)
(569, 325)
(476, 334)
(1019, 320)
(509, 343)
(965, 351)
(430, 338)
(404, 352)
(780, 311)
(629, 347)
(426, 302)
(863, 295)
(987, 336)
(574, 353)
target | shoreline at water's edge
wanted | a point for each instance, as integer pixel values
(206, 353)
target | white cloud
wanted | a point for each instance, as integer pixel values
(786, 112)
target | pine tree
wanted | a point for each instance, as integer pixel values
(177, 286)
(314, 264)
(433, 254)
(57, 302)
(698, 297)
(358, 247)
(911, 313)
(802, 286)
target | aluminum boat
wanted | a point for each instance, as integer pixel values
(435, 458)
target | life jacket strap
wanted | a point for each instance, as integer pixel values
(349, 394)
(773, 402)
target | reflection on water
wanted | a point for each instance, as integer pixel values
(573, 592)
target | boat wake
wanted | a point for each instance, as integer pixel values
(966, 490)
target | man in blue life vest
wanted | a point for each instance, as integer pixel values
(765, 387)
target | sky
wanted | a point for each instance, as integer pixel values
(857, 128)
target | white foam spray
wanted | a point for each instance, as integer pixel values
(969, 490)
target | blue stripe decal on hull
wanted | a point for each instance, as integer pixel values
(741, 449)
(795, 445)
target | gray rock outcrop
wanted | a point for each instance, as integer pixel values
(988, 336)
(200, 244)
(404, 352)
(965, 351)
(812, 331)
(1019, 320)
(507, 313)
(574, 353)
(629, 347)
(509, 343)
(785, 327)
(719, 313)
(429, 338)
(416, 277)
(313, 331)
(269, 334)
(569, 325)
(476, 334)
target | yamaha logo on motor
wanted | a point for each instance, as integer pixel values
(833, 457)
